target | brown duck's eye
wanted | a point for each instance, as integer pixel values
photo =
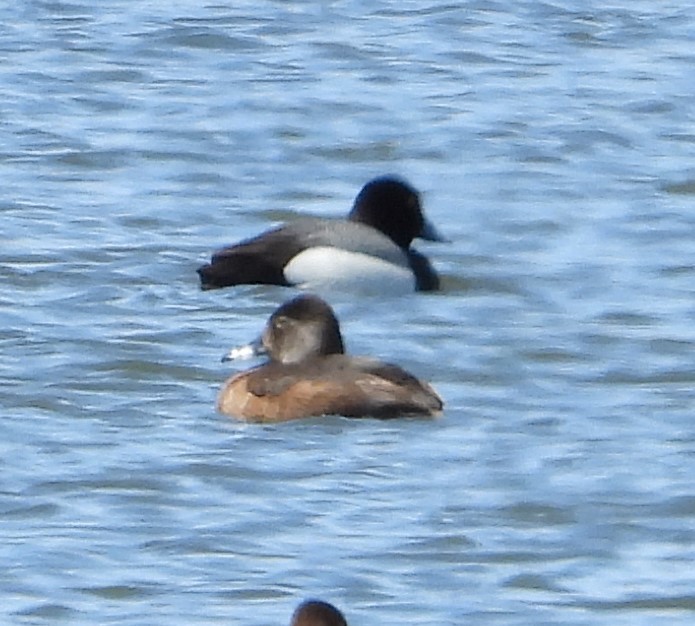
(280, 322)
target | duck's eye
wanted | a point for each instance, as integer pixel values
(280, 323)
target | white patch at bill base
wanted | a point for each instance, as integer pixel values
(240, 352)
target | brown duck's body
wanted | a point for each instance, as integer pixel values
(335, 384)
(309, 374)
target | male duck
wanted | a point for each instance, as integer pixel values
(369, 250)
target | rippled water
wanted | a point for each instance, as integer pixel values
(554, 145)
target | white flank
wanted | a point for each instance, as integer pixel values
(341, 269)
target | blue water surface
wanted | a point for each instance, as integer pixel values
(553, 144)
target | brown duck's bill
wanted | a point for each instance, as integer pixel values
(250, 350)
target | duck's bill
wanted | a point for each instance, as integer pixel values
(430, 233)
(250, 350)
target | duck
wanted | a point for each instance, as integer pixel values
(317, 613)
(369, 251)
(308, 373)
